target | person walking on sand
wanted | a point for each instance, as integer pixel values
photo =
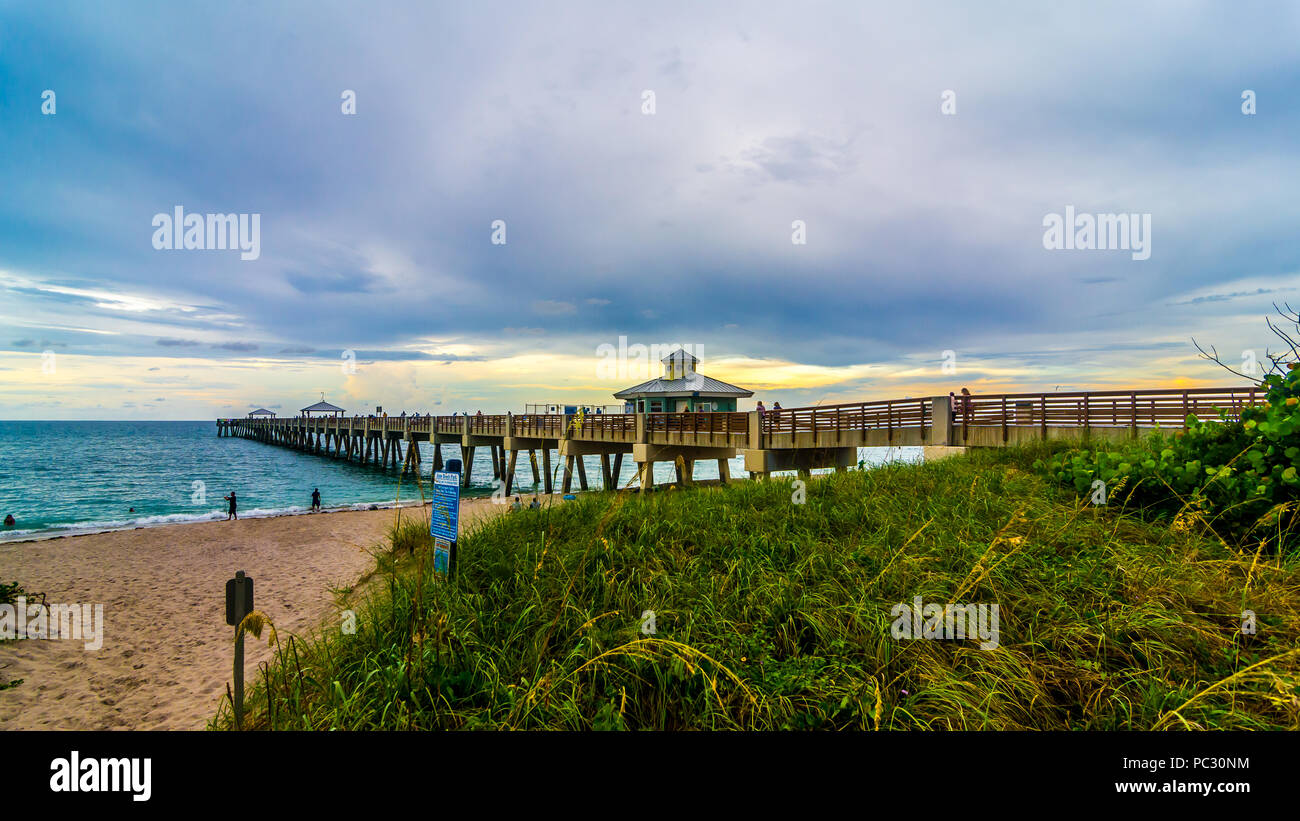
(232, 513)
(315, 500)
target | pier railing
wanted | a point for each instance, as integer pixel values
(539, 425)
(603, 425)
(1102, 409)
(973, 420)
(725, 422)
(855, 416)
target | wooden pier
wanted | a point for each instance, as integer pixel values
(799, 439)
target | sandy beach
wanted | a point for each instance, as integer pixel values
(167, 651)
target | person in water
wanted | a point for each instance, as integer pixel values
(315, 499)
(232, 513)
(9, 520)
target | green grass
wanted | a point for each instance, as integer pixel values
(772, 615)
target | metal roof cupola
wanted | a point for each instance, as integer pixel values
(682, 387)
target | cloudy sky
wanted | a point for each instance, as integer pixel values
(924, 229)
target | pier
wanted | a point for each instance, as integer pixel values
(800, 439)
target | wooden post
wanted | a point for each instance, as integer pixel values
(724, 471)
(647, 471)
(532, 459)
(606, 477)
(546, 468)
(568, 474)
(510, 471)
(617, 470)
(582, 472)
(468, 466)
(685, 471)
(437, 454)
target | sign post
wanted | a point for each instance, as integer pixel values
(444, 516)
(239, 603)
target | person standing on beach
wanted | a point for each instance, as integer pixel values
(315, 499)
(232, 513)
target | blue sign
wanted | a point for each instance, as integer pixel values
(446, 505)
(441, 556)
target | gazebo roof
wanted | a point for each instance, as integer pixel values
(323, 407)
(261, 412)
(696, 383)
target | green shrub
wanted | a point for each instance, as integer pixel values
(1240, 477)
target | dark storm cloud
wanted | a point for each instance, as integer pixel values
(924, 232)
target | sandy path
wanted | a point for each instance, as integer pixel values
(167, 650)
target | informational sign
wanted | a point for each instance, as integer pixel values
(446, 505)
(239, 598)
(441, 556)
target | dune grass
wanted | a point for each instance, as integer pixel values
(775, 615)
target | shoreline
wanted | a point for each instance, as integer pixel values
(355, 507)
(166, 651)
(73, 533)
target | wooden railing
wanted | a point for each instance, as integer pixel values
(1101, 409)
(494, 425)
(856, 416)
(539, 425)
(602, 425)
(698, 422)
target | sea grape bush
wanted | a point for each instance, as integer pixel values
(1239, 476)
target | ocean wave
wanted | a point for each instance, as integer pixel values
(57, 529)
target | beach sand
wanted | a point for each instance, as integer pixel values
(168, 653)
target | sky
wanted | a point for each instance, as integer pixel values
(825, 202)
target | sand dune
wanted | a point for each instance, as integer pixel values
(167, 651)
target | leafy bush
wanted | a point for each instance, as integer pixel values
(9, 592)
(1240, 477)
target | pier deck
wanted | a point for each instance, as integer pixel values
(789, 439)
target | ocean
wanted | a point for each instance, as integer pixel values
(70, 477)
